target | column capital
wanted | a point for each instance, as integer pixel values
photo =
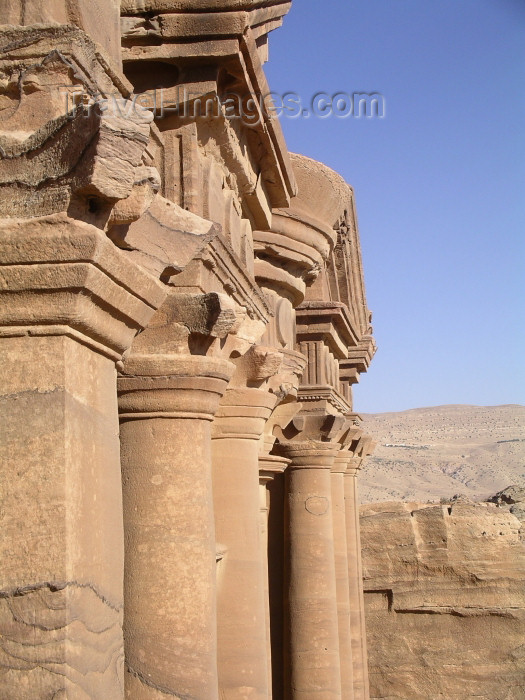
(309, 455)
(314, 426)
(354, 466)
(171, 386)
(341, 462)
(65, 277)
(243, 413)
(270, 466)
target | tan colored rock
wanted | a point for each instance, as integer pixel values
(203, 19)
(444, 600)
(160, 268)
(70, 306)
(98, 18)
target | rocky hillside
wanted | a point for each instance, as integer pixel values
(430, 453)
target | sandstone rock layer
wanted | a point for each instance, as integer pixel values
(444, 601)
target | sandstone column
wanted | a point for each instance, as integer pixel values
(70, 305)
(170, 611)
(167, 400)
(271, 468)
(341, 573)
(264, 509)
(357, 610)
(313, 638)
(242, 658)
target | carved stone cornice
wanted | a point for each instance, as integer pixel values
(360, 357)
(216, 268)
(202, 20)
(323, 394)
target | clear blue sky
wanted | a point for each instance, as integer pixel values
(440, 183)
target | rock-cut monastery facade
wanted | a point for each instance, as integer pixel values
(182, 318)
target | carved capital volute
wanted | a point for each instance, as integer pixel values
(257, 366)
(281, 416)
(185, 324)
(316, 427)
(357, 449)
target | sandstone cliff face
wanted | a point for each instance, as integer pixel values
(445, 601)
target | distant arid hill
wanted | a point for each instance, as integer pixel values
(430, 453)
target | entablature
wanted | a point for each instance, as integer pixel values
(201, 19)
(360, 357)
(219, 85)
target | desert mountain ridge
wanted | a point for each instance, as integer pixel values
(430, 453)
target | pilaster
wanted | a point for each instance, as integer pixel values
(70, 304)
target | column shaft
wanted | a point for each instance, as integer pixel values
(170, 580)
(357, 612)
(242, 655)
(271, 472)
(276, 555)
(313, 637)
(342, 583)
(263, 515)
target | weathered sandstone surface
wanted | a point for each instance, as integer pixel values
(444, 601)
(432, 453)
(182, 319)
